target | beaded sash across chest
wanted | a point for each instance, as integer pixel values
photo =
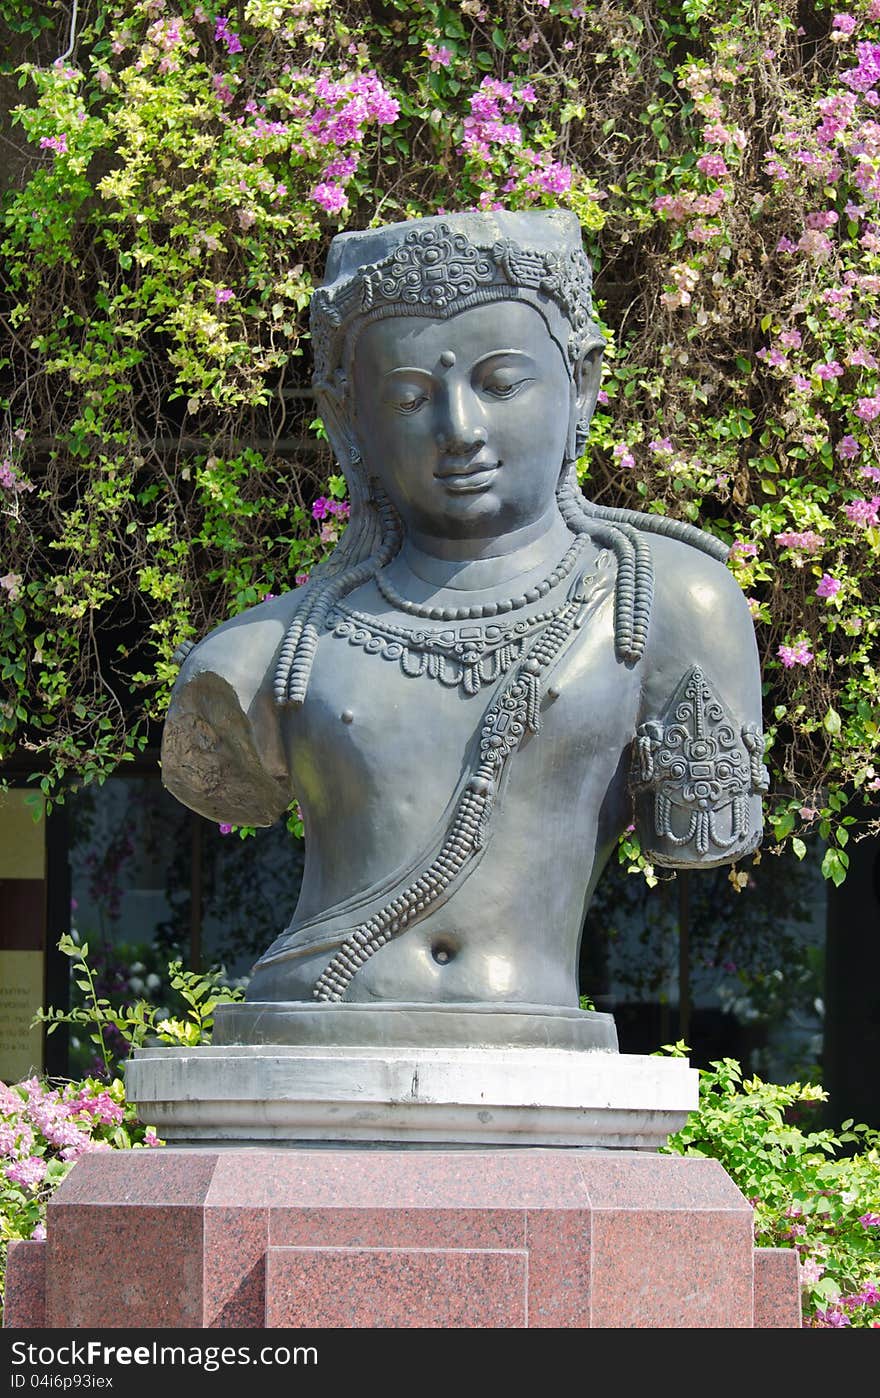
(471, 652)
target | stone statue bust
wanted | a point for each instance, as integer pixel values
(491, 677)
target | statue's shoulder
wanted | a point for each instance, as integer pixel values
(699, 617)
(243, 650)
(697, 599)
(222, 747)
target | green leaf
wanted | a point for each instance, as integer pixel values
(783, 825)
(831, 721)
(834, 866)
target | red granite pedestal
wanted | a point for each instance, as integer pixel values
(340, 1237)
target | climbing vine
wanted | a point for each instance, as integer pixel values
(184, 168)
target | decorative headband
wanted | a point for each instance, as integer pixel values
(437, 271)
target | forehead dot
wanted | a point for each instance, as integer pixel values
(447, 359)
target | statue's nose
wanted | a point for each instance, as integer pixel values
(460, 429)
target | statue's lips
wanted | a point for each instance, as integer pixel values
(477, 475)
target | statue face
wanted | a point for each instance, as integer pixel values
(465, 420)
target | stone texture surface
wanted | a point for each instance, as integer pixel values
(396, 1288)
(341, 1236)
(25, 1295)
(125, 1233)
(541, 1095)
(777, 1289)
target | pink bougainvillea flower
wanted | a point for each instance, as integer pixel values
(806, 539)
(864, 512)
(798, 654)
(56, 143)
(224, 35)
(811, 1271)
(440, 57)
(832, 1318)
(847, 448)
(30, 1172)
(624, 457)
(828, 586)
(862, 358)
(330, 197)
(866, 74)
(11, 583)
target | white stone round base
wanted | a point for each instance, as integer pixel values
(251, 1093)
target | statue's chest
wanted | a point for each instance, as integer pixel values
(397, 725)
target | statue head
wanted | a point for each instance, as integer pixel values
(464, 288)
(495, 308)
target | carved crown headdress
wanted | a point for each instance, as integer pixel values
(441, 265)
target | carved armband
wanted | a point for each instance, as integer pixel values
(697, 779)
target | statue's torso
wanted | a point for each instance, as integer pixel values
(382, 762)
(377, 758)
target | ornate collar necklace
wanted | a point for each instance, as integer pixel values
(466, 656)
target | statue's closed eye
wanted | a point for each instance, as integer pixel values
(409, 405)
(505, 388)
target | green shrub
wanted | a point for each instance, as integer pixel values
(814, 1190)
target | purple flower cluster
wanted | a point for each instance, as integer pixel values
(10, 479)
(680, 207)
(348, 106)
(863, 512)
(39, 1123)
(224, 35)
(623, 456)
(828, 586)
(324, 507)
(866, 74)
(56, 143)
(844, 24)
(493, 133)
(439, 57)
(714, 166)
(806, 539)
(492, 122)
(798, 654)
(868, 408)
(847, 448)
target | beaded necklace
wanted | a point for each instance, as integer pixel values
(486, 609)
(465, 656)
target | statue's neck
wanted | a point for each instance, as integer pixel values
(473, 565)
